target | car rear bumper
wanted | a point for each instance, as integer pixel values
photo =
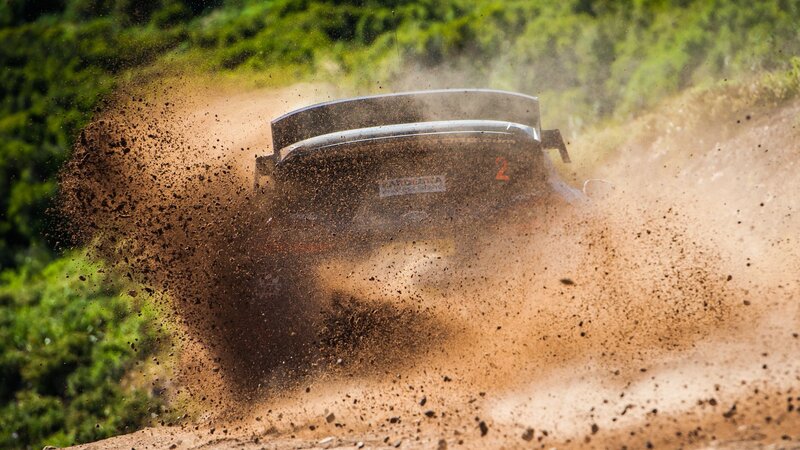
(314, 236)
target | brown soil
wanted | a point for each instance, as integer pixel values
(665, 316)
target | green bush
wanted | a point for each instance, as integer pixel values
(68, 334)
(53, 76)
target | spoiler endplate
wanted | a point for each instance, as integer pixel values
(551, 139)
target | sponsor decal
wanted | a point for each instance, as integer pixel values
(412, 185)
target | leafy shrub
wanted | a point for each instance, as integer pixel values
(68, 334)
(53, 76)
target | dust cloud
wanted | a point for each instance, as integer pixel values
(662, 316)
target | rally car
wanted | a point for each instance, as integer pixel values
(365, 171)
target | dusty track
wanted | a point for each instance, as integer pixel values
(678, 326)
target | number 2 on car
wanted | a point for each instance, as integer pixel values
(502, 166)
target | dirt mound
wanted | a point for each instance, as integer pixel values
(633, 321)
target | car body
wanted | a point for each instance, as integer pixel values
(419, 165)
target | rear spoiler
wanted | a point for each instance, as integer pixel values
(409, 107)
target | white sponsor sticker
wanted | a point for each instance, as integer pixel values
(412, 185)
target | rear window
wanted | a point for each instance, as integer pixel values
(418, 173)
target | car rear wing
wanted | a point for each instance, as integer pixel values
(405, 108)
(411, 107)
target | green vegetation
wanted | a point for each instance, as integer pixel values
(589, 60)
(68, 334)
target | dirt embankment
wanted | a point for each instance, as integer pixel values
(663, 317)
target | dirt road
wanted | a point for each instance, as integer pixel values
(665, 317)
